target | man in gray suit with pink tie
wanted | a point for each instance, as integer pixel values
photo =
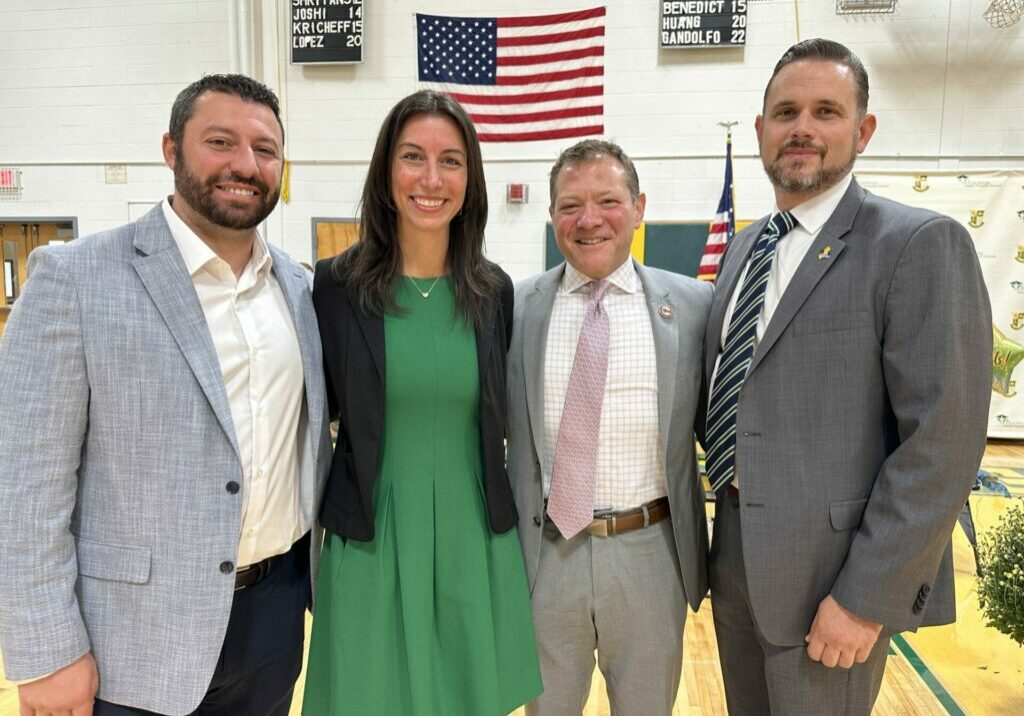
(847, 355)
(163, 442)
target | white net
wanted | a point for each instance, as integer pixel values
(1003, 13)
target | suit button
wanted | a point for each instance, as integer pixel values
(227, 567)
(925, 589)
(232, 487)
(537, 520)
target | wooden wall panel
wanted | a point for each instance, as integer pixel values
(334, 237)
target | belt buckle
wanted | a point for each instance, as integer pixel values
(239, 573)
(599, 526)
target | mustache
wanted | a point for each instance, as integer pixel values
(801, 144)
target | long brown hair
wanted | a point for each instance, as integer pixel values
(372, 268)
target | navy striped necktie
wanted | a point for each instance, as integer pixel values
(738, 353)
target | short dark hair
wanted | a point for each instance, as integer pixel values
(819, 49)
(373, 266)
(592, 150)
(237, 85)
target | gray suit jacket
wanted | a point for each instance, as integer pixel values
(116, 444)
(862, 420)
(677, 346)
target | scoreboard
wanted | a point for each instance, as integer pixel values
(703, 23)
(327, 31)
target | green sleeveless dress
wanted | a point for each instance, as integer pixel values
(432, 617)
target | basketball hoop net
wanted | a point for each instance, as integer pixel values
(1003, 13)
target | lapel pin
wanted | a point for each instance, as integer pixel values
(665, 311)
(825, 253)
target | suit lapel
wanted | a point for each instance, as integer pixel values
(666, 346)
(812, 268)
(295, 287)
(730, 270)
(373, 332)
(484, 343)
(162, 271)
(537, 312)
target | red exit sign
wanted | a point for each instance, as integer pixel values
(10, 178)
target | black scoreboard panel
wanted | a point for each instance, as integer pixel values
(327, 31)
(703, 23)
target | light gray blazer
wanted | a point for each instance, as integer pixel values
(678, 340)
(116, 444)
(862, 420)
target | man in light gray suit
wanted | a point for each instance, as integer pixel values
(603, 383)
(848, 357)
(163, 442)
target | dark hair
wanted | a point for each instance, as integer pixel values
(819, 49)
(237, 85)
(373, 266)
(592, 150)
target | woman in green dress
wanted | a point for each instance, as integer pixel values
(422, 606)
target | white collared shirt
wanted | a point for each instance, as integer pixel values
(630, 468)
(258, 350)
(789, 252)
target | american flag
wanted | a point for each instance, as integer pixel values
(520, 78)
(723, 226)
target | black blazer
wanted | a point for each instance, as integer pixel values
(354, 365)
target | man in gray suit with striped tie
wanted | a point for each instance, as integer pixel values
(847, 355)
(603, 384)
(163, 442)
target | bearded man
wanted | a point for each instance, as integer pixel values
(847, 354)
(163, 442)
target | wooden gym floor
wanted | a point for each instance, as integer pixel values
(965, 668)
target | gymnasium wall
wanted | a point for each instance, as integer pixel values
(87, 83)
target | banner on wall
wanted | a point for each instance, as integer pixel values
(991, 205)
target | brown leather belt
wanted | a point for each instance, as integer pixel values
(618, 523)
(257, 572)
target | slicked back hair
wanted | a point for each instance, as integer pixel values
(372, 268)
(592, 150)
(821, 50)
(241, 86)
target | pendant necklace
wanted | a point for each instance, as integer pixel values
(425, 294)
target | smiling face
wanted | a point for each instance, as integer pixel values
(594, 215)
(428, 175)
(811, 131)
(227, 168)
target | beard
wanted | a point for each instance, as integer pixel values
(200, 196)
(819, 180)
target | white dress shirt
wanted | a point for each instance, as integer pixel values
(258, 351)
(630, 468)
(789, 252)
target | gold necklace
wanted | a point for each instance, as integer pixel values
(425, 294)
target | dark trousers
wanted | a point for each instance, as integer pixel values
(262, 653)
(762, 678)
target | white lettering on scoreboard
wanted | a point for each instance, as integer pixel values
(327, 31)
(703, 23)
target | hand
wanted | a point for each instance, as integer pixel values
(839, 637)
(67, 692)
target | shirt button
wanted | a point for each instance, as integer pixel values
(232, 487)
(227, 567)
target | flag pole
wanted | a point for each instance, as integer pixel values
(728, 149)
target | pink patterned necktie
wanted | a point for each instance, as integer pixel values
(571, 498)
